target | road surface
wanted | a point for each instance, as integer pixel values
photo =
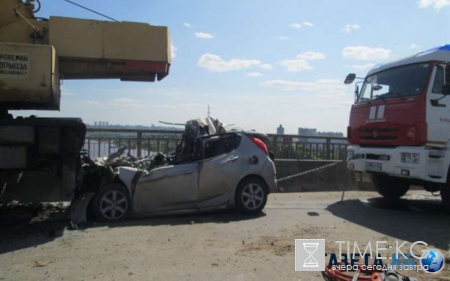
(216, 246)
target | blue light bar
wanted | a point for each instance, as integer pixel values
(439, 48)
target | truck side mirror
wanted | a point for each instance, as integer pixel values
(350, 78)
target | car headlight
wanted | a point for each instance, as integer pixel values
(410, 158)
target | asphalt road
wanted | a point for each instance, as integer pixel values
(216, 246)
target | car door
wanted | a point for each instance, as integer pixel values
(220, 165)
(167, 188)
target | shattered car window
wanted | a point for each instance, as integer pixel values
(221, 145)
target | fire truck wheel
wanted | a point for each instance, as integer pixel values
(445, 192)
(391, 188)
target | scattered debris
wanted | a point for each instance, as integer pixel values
(41, 263)
(73, 225)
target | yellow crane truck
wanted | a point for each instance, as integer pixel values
(40, 157)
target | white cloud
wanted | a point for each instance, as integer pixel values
(296, 25)
(414, 46)
(437, 4)
(323, 86)
(311, 56)
(322, 94)
(349, 27)
(365, 53)
(266, 66)
(173, 49)
(282, 37)
(217, 64)
(296, 65)
(187, 24)
(301, 61)
(89, 102)
(363, 66)
(254, 74)
(204, 35)
(125, 102)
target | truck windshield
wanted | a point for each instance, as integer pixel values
(402, 81)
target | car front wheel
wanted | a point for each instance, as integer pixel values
(251, 196)
(112, 203)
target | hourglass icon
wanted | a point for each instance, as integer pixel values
(310, 260)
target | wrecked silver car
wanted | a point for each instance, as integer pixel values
(212, 168)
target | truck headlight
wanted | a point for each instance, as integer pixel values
(410, 158)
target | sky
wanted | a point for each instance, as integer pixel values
(256, 63)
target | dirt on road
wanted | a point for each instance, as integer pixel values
(218, 246)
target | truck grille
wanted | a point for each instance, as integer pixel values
(379, 130)
(378, 133)
(378, 137)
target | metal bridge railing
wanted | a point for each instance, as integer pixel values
(104, 141)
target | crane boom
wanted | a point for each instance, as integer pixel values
(36, 54)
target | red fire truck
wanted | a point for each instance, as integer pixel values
(400, 124)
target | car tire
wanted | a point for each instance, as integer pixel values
(391, 188)
(251, 196)
(112, 203)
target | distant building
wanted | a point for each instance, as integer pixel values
(101, 123)
(307, 131)
(280, 130)
(314, 132)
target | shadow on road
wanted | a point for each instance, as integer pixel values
(415, 219)
(226, 216)
(26, 228)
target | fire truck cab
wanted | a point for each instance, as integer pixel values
(399, 127)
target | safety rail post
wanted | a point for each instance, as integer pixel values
(89, 147)
(99, 147)
(109, 146)
(275, 146)
(328, 149)
(139, 144)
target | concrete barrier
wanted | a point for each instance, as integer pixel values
(332, 178)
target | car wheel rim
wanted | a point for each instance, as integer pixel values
(113, 205)
(252, 196)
